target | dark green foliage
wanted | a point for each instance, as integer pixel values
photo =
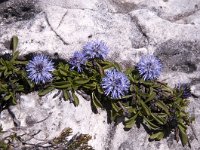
(13, 77)
(156, 106)
(161, 108)
(3, 144)
(76, 142)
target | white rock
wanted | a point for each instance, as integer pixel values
(131, 28)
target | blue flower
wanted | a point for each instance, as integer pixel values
(184, 89)
(40, 69)
(115, 83)
(149, 67)
(77, 61)
(95, 49)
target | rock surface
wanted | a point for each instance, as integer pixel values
(168, 28)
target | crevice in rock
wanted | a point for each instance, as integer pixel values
(49, 24)
(140, 27)
(16, 122)
(126, 7)
(62, 19)
(195, 81)
(70, 8)
(2, 1)
(194, 132)
(183, 15)
(123, 7)
(180, 56)
(142, 30)
(13, 11)
(110, 137)
(125, 146)
(93, 10)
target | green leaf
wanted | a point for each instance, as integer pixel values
(180, 122)
(7, 97)
(63, 72)
(163, 106)
(3, 145)
(145, 107)
(15, 55)
(151, 97)
(75, 98)
(150, 124)
(99, 89)
(162, 115)
(4, 87)
(157, 136)
(167, 89)
(59, 83)
(115, 107)
(114, 115)
(15, 70)
(25, 78)
(158, 119)
(45, 91)
(5, 73)
(117, 66)
(131, 88)
(147, 83)
(131, 121)
(14, 43)
(126, 96)
(101, 70)
(95, 101)
(62, 85)
(74, 87)
(3, 68)
(129, 71)
(66, 95)
(183, 135)
(14, 101)
(108, 66)
(90, 86)
(81, 81)
(21, 62)
(131, 109)
(178, 100)
(2, 61)
(20, 88)
(105, 62)
(136, 89)
(89, 64)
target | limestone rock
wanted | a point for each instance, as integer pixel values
(168, 28)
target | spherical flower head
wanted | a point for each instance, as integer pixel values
(78, 61)
(149, 67)
(96, 49)
(115, 83)
(184, 89)
(40, 69)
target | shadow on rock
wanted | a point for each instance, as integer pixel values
(13, 11)
(180, 56)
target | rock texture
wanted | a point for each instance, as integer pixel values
(168, 28)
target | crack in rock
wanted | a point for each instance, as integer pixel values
(140, 27)
(63, 17)
(182, 56)
(47, 20)
(183, 15)
(13, 11)
(143, 32)
(123, 7)
(110, 137)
